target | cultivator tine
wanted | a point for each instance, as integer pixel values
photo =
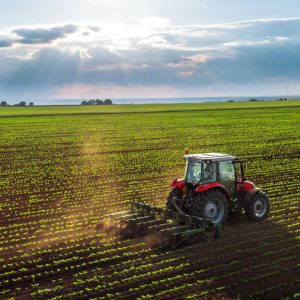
(161, 226)
(175, 229)
(152, 223)
(138, 219)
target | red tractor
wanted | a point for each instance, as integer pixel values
(213, 186)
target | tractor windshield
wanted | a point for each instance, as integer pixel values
(193, 172)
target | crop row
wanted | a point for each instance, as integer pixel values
(61, 175)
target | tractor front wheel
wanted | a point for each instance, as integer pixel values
(211, 205)
(257, 208)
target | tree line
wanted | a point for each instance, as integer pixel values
(97, 102)
(21, 103)
(85, 102)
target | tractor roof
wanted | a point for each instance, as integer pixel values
(209, 156)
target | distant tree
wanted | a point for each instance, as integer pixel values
(3, 103)
(31, 104)
(97, 102)
(108, 102)
(22, 103)
(253, 100)
(91, 102)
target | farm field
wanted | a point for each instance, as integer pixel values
(63, 169)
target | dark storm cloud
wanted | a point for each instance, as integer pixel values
(44, 35)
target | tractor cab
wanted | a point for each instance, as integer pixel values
(207, 168)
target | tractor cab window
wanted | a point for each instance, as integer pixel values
(193, 172)
(209, 172)
(227, 175)
(227, 171)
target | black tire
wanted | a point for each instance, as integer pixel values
(211, 205)
(257, 208)
(175, 192)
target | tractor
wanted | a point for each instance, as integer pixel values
(214, 186)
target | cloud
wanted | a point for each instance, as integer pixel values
(6, 40)
(4, 43)
(43, 35)
(94, 28)
(48, 67)
(243, 55)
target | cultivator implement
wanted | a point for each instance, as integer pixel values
(161, 227)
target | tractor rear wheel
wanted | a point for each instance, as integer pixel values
(175, 192)
(211, 205)
(257, 208)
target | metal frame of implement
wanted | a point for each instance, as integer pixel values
(173, 227)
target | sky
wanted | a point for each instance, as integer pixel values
(87, 49)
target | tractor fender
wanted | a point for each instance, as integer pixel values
(178, 183)
(244, 185)
(248, 185)
(248, 195)
(213, 185)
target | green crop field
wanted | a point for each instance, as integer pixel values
(63, 169)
